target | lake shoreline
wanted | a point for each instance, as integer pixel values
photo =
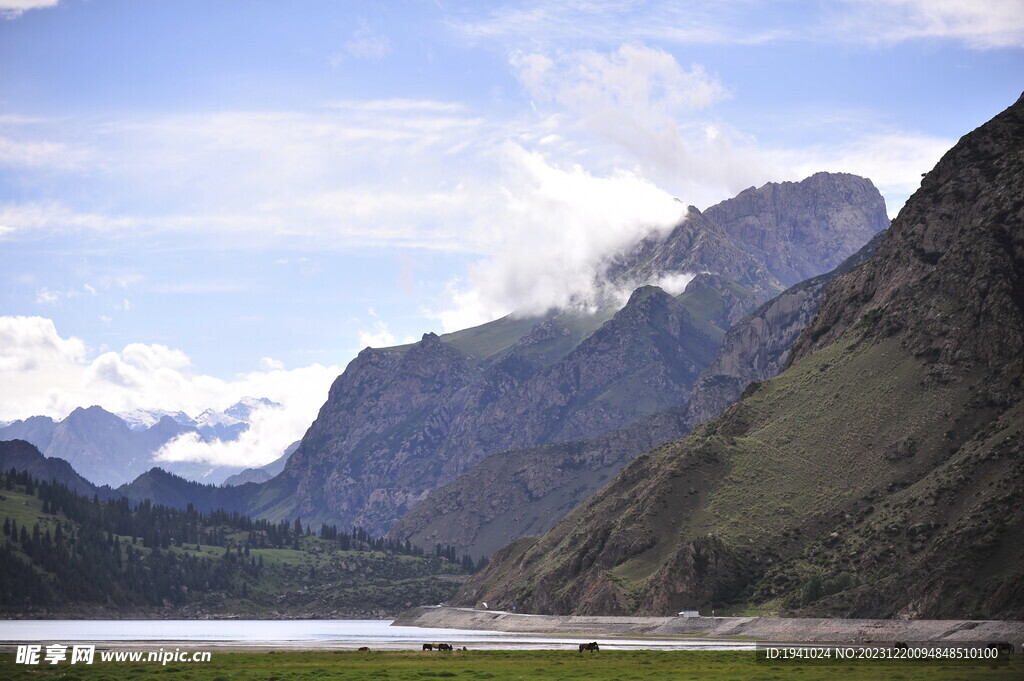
(790, 629)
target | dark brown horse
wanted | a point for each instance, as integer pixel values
(592, 647)
(364, 649)
(437, 646)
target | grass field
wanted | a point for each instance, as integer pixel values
(508, 665)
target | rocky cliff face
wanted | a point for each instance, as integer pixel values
(881, 474)
(401, 422)
(756, 347)
(801, 229)
(768, 238)
(521, 492)
(398, 425)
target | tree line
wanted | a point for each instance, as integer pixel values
(115, 552)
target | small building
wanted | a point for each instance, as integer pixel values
(688, 613)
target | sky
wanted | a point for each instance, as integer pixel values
(205, 200)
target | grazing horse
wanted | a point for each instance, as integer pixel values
(364, 649)
(437, 646)
(592, 647)
(1001, 647)
(901, 645)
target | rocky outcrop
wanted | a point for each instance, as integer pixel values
(401, 422)
(397, 425)
(520, 492)
(526, 491)
(800, 229)
(767, 238)
(755, 349)
(880, 475)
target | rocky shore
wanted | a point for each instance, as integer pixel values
(848, 631)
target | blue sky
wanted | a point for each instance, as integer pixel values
(204, 199)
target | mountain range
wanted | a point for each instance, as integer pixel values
(879, 475)
(400, 422)
(113, 449)
(523, 492)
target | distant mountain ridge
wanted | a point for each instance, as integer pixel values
(112, 449)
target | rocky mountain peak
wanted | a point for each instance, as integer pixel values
(880, 475)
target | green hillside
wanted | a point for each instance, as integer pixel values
(65, 554)
(880, 475)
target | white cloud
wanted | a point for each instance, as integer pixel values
(12, 9)
(367, 44)
(378, 337)
(978, 24)
(638, 107)
(43, 373)
(617, 21)
(43, 154)
(272, 177)
(269, 364)
(550, 232)
(45, 296)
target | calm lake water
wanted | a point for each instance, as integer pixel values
(313, 634)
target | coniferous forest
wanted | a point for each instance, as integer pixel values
(64, 553)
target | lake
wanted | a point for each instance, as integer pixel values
(315, 635)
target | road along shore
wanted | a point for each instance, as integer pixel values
(792, 629)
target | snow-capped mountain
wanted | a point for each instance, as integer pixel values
(144, 419)
(113, 449)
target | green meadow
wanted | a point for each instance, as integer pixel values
(501, 665)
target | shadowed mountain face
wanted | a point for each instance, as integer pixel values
(881, 474)
(522, 492)
(24, 456)
(397, 425)
(400, 422)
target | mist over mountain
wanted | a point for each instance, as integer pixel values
(880, 475)
(402, 421)
(526, 492)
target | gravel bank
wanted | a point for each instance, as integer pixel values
(756, 628)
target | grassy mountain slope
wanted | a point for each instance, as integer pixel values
(397, 425)
(879, 475)
(520, 492)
